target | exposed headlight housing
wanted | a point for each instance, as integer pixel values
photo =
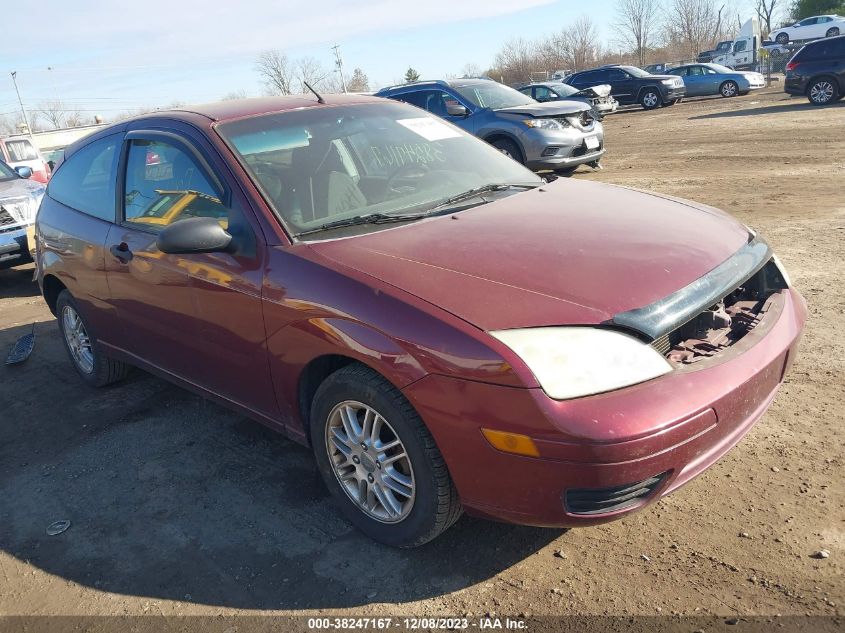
(782, 270)
(571, 362)
(546, 124)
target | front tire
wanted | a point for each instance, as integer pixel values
(650, 99)
(729, 89)
(379, 460)
(95, 368)
(782, 39)
(509, 149)
(822, 91)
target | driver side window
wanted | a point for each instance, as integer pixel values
(164, 184)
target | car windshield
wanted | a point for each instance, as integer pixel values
(328, 164)
(493, 95)
(636, 72)
(719, 68)
(6, 172)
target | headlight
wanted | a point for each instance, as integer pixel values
(545, 124)
(782, 270)
(570, 362)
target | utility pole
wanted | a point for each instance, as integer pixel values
(23, 110)
(339, 63)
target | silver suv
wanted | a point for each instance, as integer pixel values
(555, 136)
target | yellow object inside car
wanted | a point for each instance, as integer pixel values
(171, 206)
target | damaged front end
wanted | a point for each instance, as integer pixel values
(714, 312)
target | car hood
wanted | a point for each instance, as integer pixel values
(18, 187)
(549, 109)
(602, 90)
(570, 252)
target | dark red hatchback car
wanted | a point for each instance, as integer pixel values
(447, 331)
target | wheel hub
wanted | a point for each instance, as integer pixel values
(370, 462)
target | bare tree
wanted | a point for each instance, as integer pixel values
(693, 25)
(234, 94)
(636, 24)
(276, 72)
(515, 61)
(766, 11)
(73, 118)
(358, 82)
(53, 112)
(471, 70)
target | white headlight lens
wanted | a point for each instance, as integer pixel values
(570, 362)
(543, 124)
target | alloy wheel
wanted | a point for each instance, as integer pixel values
(650, 100)
(370, 462)
(729, 89)
(832, 32)
(821, 92)
(77, 340)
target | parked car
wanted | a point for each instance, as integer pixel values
(713, 79)
(630, 85)
(559, 136)
(721, 49)
(19, 151)
(817, 71)
(812, 28)
(19, 200)
(598, 98)
(444, 329)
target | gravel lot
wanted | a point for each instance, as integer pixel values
(180, 507)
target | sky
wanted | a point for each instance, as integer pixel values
(104, 57)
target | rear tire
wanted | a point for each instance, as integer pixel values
(650, 99)
(822, 91)
(832, 32)
(729, 89)
(86, 355)
(782, 39)
(362, 476)
(509, 149)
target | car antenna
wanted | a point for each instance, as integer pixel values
(316, 94)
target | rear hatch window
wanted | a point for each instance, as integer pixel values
(21, 150)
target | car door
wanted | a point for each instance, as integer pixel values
(197, 316)
(624, 85)
(695, 81)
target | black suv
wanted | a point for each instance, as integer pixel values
(817, 71)
(631, 85)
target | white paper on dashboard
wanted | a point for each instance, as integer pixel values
(429, 129)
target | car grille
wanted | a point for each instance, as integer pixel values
(604, 500)
(7, 222)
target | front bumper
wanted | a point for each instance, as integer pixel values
(14, 248)
(673, 94)
(560, 150)
(674, 427)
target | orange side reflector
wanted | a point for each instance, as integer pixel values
(511, 442)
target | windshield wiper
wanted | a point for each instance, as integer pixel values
(367, 218)
(472, 193)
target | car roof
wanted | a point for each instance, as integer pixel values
(240, 108)
(428, 83)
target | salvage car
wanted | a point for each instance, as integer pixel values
(557, 136)
(597, 97)
(631, 85)
(20, 197)
(447, 332)
(817, 71)
(713, 79)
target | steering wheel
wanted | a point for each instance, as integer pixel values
(410, 174)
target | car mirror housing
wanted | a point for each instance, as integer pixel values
(24, 171)
(456, 109)
(194, 235)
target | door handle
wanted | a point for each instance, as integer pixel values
(121, 251)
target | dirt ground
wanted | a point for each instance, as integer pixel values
(180, 507)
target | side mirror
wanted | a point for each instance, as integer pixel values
(456, 109)
(194, 235)
(24, 171)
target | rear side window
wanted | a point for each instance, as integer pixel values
(824, 49)
(21, 150)
(86, 180)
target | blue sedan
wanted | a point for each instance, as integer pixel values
(715, 79)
